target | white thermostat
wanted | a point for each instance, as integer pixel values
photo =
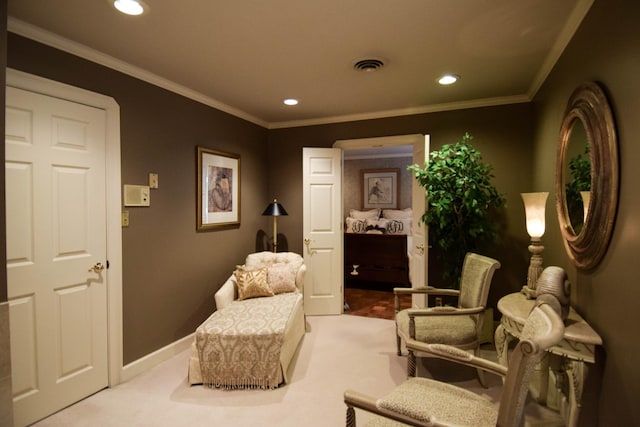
(137, 195)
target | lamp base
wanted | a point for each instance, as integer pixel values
(535, 269)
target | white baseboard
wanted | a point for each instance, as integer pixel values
(152, 359)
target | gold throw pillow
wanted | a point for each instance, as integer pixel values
(252, 283)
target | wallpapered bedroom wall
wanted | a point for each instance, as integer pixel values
(352, 182)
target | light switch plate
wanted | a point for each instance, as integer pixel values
(137, 195)
(153, 180)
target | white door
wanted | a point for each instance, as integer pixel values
(419, 236)
(322, 230)
(56, 234)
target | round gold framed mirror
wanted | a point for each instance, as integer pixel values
(587, 175)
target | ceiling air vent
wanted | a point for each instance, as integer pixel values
(368, 65)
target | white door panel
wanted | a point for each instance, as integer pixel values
(420, 245)
(322, 230)
(56, 231)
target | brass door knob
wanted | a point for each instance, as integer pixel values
(97, 268)
(307, 243)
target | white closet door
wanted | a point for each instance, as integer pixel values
(56, 235)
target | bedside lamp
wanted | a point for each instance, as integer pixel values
(275, 209)
(534, 205)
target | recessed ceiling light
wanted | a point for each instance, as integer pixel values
(448, 79)
(130, 7)
(290, 101)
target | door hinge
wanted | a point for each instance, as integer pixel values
(107, 264)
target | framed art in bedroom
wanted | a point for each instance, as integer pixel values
(218, 190)
(380, 188)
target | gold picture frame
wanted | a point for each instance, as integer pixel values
(218, 190)
(380, 188)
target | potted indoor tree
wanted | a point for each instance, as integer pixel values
(461, 203)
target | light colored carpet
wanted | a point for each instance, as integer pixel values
(337, 353)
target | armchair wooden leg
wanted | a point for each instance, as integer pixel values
(411, 364)
(398, 344)
(351, 417)
(482, 379)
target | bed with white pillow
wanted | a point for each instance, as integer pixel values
(378, 242)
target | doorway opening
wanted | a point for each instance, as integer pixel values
(368, 290)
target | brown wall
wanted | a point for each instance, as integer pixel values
(503, 135)
(170, 272)
(352, 180)
(606, 49)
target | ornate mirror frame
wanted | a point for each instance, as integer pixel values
(588, 103)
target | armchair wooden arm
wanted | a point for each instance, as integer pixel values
(425, 290)
(408, 291)
(449, 311)
(454, 354)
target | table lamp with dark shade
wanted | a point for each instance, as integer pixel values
(275, 210)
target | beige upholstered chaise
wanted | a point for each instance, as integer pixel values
(250, 342)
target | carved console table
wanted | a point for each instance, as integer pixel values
(576, 348)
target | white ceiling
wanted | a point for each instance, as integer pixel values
(245, 56)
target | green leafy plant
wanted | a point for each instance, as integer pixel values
(460, 200)
(580, 169)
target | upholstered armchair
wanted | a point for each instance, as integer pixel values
(459, 326)
(427, 402)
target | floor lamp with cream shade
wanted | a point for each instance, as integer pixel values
(534, 204)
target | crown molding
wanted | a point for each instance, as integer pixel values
(575, 19)
(51, 39)
(485, 102)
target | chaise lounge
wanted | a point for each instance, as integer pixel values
(252, 337)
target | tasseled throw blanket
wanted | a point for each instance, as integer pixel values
(239, 346)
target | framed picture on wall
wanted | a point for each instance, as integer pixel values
(380, 188)
(218, 190)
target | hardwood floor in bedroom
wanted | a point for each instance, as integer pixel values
(377, 303)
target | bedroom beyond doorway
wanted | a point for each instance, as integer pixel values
(378, 303)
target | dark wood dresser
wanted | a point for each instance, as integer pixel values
(381, 258)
